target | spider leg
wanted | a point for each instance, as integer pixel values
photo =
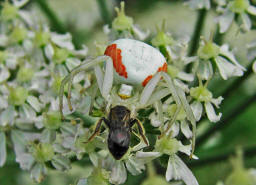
(180, 98)
(82, 67)
(69, 93)
(141, 129)
(148, 89)
(108, 79)
(105, 84)
(97, 129)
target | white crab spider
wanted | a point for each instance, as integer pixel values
(131, 63)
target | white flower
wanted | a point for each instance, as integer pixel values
(204, 97)
(176, 168)
(225, 60)
(241, 8)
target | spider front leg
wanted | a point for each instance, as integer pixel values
(177, 94)
(97, 129)
(141, 129)
(87, 65)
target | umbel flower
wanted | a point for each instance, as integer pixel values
(203, 97)
(210, 53)
(176, 168)
(235, 10)
(123, 27)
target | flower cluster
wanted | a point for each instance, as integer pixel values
(34, 61)
(238, 11)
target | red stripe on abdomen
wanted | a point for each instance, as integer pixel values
(115, 53)
(144, 83)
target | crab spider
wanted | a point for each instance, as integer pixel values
(133, 64)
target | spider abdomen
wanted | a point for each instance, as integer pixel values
(135, 62)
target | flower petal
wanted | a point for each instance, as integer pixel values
(224, 50)
(177, 170)
(186, 76)
(225, 21)
(185, 129)
(49, 51)
(7, 116)
(217, 101)
(139, 33)
(247, 24)
(118, 173)
(82, 182)
(152, 155)
(197, 109)
(4, 73)
(38, 172)
(227, 69)
(211, 112)
(134, 166)
(63, 40)
(61, 163)
(3, 152)
(19, 3)
(33, 101)
(254, 66)
(251, 10)
(205, 70)
(81, 53)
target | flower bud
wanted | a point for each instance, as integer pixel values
(167, 145)
(9, 11)
(25, 74)
(43, 152)
(239, 6)
(208, 50)
(18, 35)
(201, 94)
(41, 38)
(17, 95)
(172, 110)
(172, 71)
(122, 22)
(60, 55)
(52, 120)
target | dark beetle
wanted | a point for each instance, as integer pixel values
(119, 124)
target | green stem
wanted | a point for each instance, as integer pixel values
(104, 12)
(197, 31)
(196, 35)
(218, 37)
(249, 152)
(55, 22)
(228, 120)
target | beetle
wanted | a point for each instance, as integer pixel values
(120, 125)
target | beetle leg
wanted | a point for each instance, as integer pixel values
(97, 129)
(82, 67)
(141, 129)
